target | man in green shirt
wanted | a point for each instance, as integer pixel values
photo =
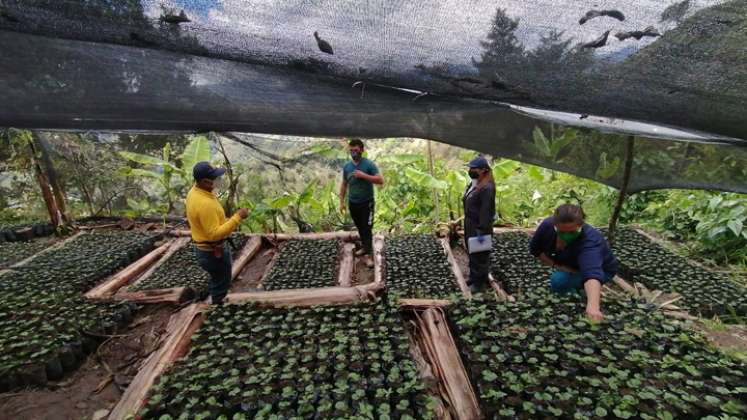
(358, 177)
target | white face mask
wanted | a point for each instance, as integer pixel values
(218, 184)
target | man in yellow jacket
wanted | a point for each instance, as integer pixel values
(210, 228)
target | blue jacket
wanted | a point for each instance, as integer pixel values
(590, 254)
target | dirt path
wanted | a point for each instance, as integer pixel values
(361, 273)
(250, 277)
(91, 387)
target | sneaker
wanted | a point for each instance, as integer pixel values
(360, 252)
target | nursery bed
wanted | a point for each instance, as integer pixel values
(181, 269)
(304, 264)
(539, 358)
(512, 264)
(703, 291)
(326, 361)
(417, 266)
(46, 326)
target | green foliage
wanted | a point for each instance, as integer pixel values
(162, 170)
(716, 222)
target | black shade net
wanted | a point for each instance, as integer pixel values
(477, 74)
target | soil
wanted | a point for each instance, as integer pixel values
(75, 396)
(361, 273)
(729, 337)
(250, 277)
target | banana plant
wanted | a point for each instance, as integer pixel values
(163, 169)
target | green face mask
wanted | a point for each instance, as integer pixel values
(569, 237)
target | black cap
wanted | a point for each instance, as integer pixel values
(479, 163)
(203, 170)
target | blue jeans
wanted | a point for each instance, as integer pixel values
(562, 282)
(219, 270)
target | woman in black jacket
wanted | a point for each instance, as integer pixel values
(479, 214)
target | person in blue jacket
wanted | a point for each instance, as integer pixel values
(578, 253)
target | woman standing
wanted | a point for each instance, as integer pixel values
(479, 214)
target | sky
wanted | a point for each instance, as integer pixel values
(400, 34)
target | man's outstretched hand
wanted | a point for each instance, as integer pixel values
(243, 213)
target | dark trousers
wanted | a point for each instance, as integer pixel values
(362, 214)
(219, 270)
(479, 269)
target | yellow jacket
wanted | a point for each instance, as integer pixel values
(207, 220)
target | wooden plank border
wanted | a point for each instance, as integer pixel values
(180, 328)
(461, 282)
(442, 351)
(108, 288)
(250, 249)
(379, 259)
(345, 273)
(309, 297)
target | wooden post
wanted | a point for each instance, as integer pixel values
(54, 180)
(46, 190)
(437, 218)
(629, 145)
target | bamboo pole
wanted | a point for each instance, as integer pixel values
(629, 146)
(450, 369)
(125, 276)
(378, 251)
(309, 297)
(345, 275)
(461, 282)
(180, 328)
(250, 249)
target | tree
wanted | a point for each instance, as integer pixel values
(503, 53)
